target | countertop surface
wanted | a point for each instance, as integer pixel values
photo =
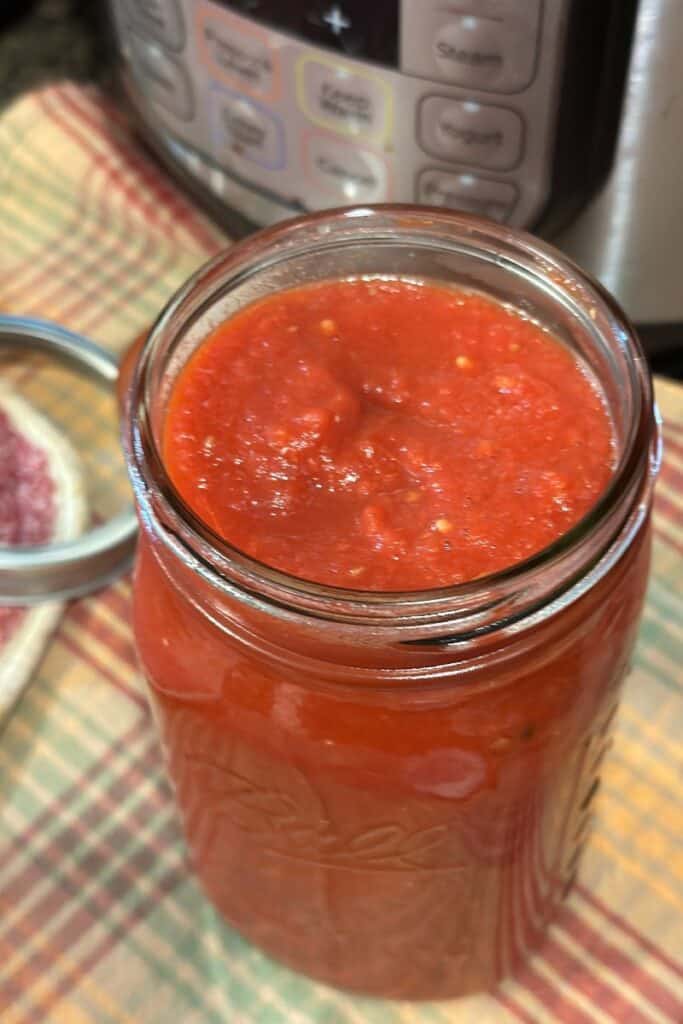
(48, 40)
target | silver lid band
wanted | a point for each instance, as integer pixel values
(29, 575)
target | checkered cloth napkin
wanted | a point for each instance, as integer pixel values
(100, 918)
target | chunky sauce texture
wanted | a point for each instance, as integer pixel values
(386, 435)
(403, 837)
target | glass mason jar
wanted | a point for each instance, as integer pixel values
(390, 791)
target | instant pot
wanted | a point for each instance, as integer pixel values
(561, 116)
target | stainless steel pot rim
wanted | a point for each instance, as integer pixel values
(68, 569)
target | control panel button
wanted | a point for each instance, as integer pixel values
(246, 129)
(352, 27)
(343, 100)
(470, 132)
(238, 53)
(333, 18)
(346, 171)
(162, 78)
(335, 26)
(489, 45)
(469, 192)
(161, 19)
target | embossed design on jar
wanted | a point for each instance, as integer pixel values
(296, 827)
(581, 818)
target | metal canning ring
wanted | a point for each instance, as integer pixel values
(67, 569)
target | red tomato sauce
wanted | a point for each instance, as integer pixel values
(386, 435)
(406, 838)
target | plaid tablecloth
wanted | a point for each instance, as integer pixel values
(100, 919)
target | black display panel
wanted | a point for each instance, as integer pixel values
(366, 29)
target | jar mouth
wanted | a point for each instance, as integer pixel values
(466, 609)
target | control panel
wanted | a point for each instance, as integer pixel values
(454, 104)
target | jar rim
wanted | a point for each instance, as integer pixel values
(476, 606)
